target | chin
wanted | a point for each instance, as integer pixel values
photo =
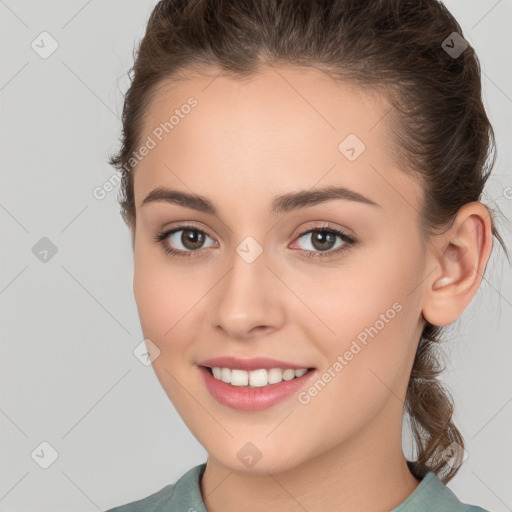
(262, 466)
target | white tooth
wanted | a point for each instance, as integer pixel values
(288, 374)
(275, 375)
(258, 378)
(239, 378)
(226, 375)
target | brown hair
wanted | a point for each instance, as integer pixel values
(440, 127)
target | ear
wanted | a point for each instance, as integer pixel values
(460, 256)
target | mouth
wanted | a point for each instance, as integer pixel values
(235, 390)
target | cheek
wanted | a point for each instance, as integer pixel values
(369, 319)
(366, 369)
(163, 294)
(165, 301)
(367, 288)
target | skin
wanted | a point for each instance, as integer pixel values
(245, 142)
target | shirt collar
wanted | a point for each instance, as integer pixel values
(431, 493)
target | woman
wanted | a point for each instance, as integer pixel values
(302, 181)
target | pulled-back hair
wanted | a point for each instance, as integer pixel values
(440, 129)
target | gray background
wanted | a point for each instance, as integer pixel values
(69, 324)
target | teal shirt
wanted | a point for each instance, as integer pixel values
(431, 495)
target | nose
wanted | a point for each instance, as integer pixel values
(249, 299)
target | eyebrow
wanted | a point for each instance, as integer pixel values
(281, 204)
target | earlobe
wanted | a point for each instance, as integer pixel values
(461, 255)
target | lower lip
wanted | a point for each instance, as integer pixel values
(252, 399)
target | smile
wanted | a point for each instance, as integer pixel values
(254, 390)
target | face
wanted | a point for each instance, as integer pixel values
(333, 284)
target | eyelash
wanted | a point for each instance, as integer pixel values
(161, 237)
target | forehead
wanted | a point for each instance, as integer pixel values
(281, 128)
(297, 101)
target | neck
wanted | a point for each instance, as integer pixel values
(368, 472)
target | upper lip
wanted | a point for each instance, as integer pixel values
(255, 363)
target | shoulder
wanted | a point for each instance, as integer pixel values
(153, 502)
(432, 494)
(172, 496)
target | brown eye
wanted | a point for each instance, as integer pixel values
(192, 238)
(324, 239)
(182, 241)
